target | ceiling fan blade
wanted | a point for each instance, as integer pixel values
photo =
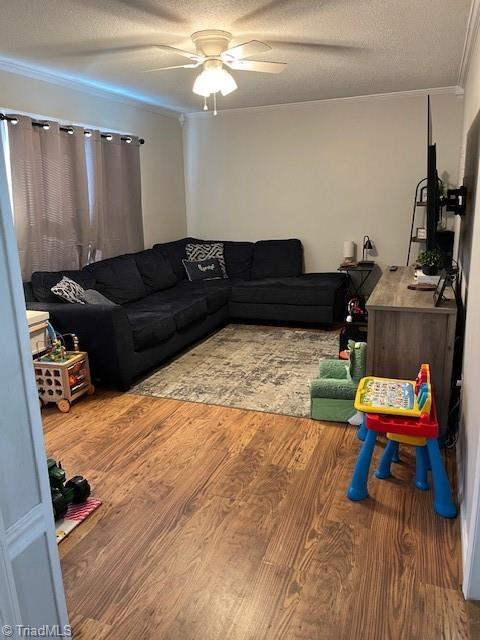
(177, 66)
(256, 65)
(128, 50)
(140, 9)
(285, 9)
(153, 9)
(324, 47)
(105, 52)
(246, 49)
(181, 52)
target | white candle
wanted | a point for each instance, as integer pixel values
(348, 249)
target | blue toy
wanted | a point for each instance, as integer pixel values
(421, 432)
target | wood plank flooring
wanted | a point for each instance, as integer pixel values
(227, 524)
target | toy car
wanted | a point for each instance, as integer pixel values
(74, 491)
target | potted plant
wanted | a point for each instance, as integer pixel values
(430, 261)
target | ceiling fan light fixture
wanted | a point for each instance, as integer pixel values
(203, 84)
(214, 80)
(229, 84)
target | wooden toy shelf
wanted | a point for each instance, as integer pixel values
(63, 381)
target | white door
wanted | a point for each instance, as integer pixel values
(31, 588)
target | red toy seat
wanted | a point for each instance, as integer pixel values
(425, 426)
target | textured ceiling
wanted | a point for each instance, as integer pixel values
(334, 48)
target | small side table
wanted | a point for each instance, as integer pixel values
(355, 289)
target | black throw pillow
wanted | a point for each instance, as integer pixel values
(209, 269)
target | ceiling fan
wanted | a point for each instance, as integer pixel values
(214, 54)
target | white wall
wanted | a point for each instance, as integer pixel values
(469, 442)
(163, 195)
(324, 172)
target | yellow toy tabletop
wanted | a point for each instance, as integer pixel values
(388, 395)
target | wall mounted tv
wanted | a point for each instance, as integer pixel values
(433, 187)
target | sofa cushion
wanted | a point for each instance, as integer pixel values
(155, 269)
(175, 253)
(319, 289)
(216, 293)
(277, 259)
(238, 257)
(43, 281)
(177, 303)
(118, 279)
(149, 328)
(186, 312)
(28, 292)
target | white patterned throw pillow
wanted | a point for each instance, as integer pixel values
(198, 252)
(68, 290)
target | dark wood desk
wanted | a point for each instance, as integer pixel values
(405, 329)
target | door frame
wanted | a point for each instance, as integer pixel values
(38, 522)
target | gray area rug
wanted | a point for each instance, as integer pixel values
(248, 367)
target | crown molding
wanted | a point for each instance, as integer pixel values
(120, 96)
(85, 86)
(456, 90)
(471, 37)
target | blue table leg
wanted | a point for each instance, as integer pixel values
(396, 454)
(421, 470)
(362, 429)
(358, 489)
(383, 471)
(442, 493)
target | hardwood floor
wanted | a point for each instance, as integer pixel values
(227, 524)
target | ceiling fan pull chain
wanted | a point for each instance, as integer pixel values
(215, 104)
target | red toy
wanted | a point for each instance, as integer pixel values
(426, 426)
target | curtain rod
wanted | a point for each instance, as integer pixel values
(46, 125)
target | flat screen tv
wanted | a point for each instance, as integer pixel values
(433, 189)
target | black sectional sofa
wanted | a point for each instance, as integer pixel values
(159, 312)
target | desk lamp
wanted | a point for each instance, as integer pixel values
(367, 246)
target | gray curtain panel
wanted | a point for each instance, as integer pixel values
(71, 192)
(116, 194)
(50, 196)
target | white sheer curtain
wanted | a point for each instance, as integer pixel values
(50, 195)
